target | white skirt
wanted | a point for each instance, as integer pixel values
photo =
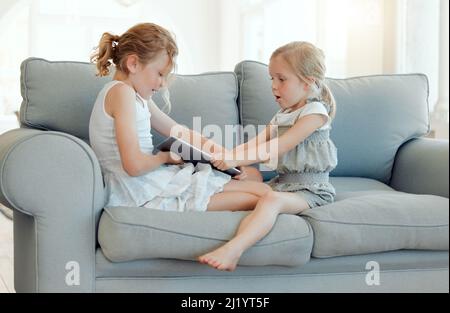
(170, 187)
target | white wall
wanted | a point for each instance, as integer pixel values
(229, 34)
(419, 36)
(67, 29)
(359, 37)
(349, 31)
(195, 24)
(5, 5)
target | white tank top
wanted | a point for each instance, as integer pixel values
(102, 134)
(168, 187)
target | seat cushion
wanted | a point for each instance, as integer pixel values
(377, 221)
(127, 234)
(370, 151)
(354, 186)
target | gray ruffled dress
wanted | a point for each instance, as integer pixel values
(305, 169)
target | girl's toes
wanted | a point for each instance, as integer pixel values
(204, 259)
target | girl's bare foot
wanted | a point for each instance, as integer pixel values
(224, 258)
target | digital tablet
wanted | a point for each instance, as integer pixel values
(191, 154)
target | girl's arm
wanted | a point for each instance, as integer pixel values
(134, 161)
(276, 147)
(166, 126)
(253, 143)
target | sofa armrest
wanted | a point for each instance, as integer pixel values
(421, 167)
(53, 183)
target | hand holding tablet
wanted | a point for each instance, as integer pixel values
(192, 154)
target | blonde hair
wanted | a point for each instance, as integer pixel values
(145, 40)
(308, 61)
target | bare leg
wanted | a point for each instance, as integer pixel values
(256, 188)
(253, 174)
(253, 228)
(232, 201)
(238, 196)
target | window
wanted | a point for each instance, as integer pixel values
(349, 31)
(359, 37)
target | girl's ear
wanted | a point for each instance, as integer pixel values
(132, 63)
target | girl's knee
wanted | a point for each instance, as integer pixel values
(266, 189)
(270, 203)
(283, 203)
(254, 174)
(272, 197)
(286, 203)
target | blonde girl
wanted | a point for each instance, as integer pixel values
(300, 132)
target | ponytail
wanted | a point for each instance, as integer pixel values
(327, 96)
(105, 53)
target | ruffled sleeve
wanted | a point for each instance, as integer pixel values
(316, 107)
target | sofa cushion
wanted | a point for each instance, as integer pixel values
(59, 96)
(349, 186)
(211, 96)
(127, 234)
(379, 221)
(385, 110)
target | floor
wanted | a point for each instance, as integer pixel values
(6, 255)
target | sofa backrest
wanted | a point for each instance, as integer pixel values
(59, 96)
(375, 116)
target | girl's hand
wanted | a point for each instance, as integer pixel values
(243, 175)
(171, 158)
(223, 162)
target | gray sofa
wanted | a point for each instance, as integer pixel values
(386, 232)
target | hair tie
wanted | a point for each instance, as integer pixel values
(115, 41)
